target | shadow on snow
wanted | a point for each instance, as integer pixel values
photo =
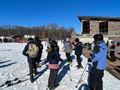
(6, 64)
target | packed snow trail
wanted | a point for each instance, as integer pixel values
(13, 64)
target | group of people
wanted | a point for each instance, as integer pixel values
(98, 59)
(77, 46)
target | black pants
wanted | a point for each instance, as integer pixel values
(79, 59)
(32, 69)
(68, 57)
(112, 55)
(38, 60)
(95, 79)
(52, 78)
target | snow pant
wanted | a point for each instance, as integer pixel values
(38, 60)
(79, 59)
(52, 78)
(32, 69)
(68, 57)
(112, 55)
(95, 79)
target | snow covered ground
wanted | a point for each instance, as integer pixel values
(13, 64)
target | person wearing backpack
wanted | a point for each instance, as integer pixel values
(31, 51)
(78, 51)
(53, 58)
(40, 46)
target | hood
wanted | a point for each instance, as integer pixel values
(103, 45)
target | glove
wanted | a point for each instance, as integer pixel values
(91, 54)
(61, 60)
(89, 59)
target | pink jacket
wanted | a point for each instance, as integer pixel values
(53, 66)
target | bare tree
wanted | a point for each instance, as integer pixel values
(50, 31)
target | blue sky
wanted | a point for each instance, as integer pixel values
(61, 12)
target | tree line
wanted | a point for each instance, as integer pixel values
(52, 31)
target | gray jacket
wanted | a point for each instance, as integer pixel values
(67, 47)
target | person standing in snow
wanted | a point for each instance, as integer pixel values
(31, 58)
(68, 50)
(112, 51)
(98, 59)
(53, 58)
(78, 51)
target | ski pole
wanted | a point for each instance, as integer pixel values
(81, 76)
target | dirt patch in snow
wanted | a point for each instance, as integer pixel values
(113, 67)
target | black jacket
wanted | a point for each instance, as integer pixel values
(78, 48)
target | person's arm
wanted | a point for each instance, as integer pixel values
(25, 50)
(41, 47)
(89, 59)
(97, 53)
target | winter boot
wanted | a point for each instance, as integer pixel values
(52, 88)
(31, 78)
(79, 66)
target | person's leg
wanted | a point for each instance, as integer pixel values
(91, 79)
(38, 60)
(112, 56)
(52, 81)
(51, 78)
(55, 77)
(34, 67)
(79, 61)
(99, 82)
(31, 71)
(68, 58)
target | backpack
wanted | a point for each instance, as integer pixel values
(79, 47)
(33, 50)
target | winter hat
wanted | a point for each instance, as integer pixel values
(77, 40)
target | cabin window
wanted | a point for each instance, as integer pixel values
(86, 27)
(103, 27)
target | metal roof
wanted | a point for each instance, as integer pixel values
(98, 18)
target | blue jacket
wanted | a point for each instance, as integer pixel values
(100, 57)
(53, 57)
